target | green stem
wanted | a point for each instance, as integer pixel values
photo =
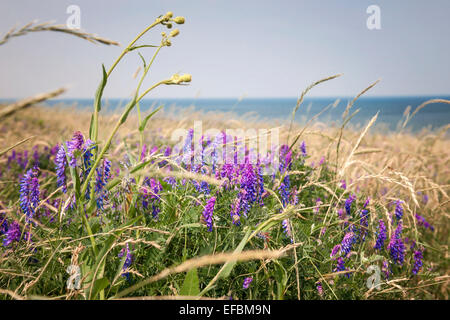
(147, 68)
(114, 131)
(124, 52)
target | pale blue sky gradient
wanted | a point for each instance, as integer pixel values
(233, 48)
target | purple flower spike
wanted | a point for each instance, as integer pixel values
(366, 203)
(398, 209)
(29, 192)
(347, 243)
(396, 246)
(348, 204)
(236, 211)
(76, 144)
(61, 164)
(422, 222)
(128, 260)
(340, 266)
(303, 149)
(381, 236)
(247, 282)
(102, 178)
(418, 257)
(13, 234)
(335, 250)
(208, 213)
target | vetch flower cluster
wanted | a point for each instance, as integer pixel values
(381, 235)
(208, 213)
(396, 246)
(29, 193)
(247, 282)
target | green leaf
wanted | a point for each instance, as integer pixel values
(281, 279)
(143, 46)
(99, 285)
(144, 122)
(128, 109)
(191, 284)
(143, 60)
(228, 267)
(91, 126)
(99, 93)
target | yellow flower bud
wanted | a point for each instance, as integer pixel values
(178, 20)
(177, 79)
(169, 14)
(186, 78)
(174, 33)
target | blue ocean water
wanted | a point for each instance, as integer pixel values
(391, 109)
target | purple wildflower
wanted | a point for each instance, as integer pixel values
(236, 211)
(317, 207)
(366, 203)
(248, 184)
(150, 192)
(381, 236)
(260, 181)
(343, 184)
(422, 222)
(418, 257)
(73, 146)
(335, 250)
(398, 209)
(35, 156)
(3, 223)
(285, 158)
(187, 148)
(396, 246)
(128, 260)
(347, 243)
(341, 214)
(362, 232)
(208, 213)
(287, 229)
(143, 152)
(284, 190)
(102, 178)
(13, 234)
(87, 161)
(247, 282)
(303, 149)
(340, 266)
(61, 164)
(322, 161)
(319, 288)
(29, 192)
(348, 204)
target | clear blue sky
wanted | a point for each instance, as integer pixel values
(233, 48)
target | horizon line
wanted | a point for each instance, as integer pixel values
(250, 97)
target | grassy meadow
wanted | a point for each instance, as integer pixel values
(97, 205)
